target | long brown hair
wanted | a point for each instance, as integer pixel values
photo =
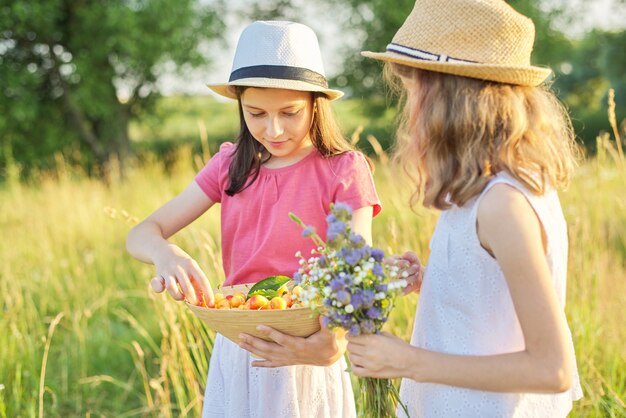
(249, 154)
(457, 132)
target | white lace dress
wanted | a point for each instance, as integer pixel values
(236, 389)
(465, 308)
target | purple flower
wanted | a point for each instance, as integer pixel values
(342, 210)
(337, 284)
(297, 277)
(331, 219)
(373, 312)
(354, 330)
(325, 321)
(378, 270)
(308, 231)
(357, 300)
(336, 228)
(368, 298)
(343, 297)
(378, 254)
(356, 239)
(351, 256)
(381, 287)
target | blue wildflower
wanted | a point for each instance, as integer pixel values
(378, 254)
(326, 321)
(377, 270)
(368, 298)
(354, 330)
(351, 256)
(382, 287)
(308, 231)
(356, 239)
(357, 300)
(337, 228)
(337, 284)
(343, 297)
(342, 210)
(373, 312)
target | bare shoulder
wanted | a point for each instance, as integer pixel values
(502, 201)
(505, 214)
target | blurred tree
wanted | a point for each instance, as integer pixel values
(583, 68)
(375, 22)
(73, 72)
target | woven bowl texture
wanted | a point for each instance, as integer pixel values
(298, 322)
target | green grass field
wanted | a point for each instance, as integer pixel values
(81, 335)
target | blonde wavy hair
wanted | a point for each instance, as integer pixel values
(455, 133)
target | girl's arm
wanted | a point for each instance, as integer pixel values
(324, 347)
(147, 242)
(510, 230)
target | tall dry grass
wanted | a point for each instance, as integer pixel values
(81, 334)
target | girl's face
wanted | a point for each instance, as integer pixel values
(280, 120)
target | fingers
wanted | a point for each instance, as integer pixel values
(186, 287)
(198, 275)
(267, 364)
(411, 257)
(171, 284)
(356, 341)
(356, 362)
(273, 354)
(157, 284)
(284, 340)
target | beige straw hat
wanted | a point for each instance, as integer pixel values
(277, 54)
(484, 39)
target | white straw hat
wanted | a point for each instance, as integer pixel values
(484, 39)
(277, 54)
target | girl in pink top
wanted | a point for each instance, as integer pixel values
(289, 157)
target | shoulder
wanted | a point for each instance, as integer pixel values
(224, 154)
(226, 150)
(500, 201)
(350, 161)
(217, 167)
(505, 214)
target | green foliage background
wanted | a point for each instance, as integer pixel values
(65, 65)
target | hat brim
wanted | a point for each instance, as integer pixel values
(226, 89)
(523, 76)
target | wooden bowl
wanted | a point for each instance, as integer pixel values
(298, 322)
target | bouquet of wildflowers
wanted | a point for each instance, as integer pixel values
(351, 287)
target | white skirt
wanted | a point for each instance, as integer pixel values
(236, 389)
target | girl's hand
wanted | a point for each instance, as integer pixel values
(323, 348)
(370, 356)
(180, 274)
(409, 263)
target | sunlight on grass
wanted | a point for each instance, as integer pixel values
(120, 350)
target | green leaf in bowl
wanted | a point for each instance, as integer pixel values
(268, 286)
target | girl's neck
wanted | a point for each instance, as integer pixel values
(286, 161)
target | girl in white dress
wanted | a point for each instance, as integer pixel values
(488, 144)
